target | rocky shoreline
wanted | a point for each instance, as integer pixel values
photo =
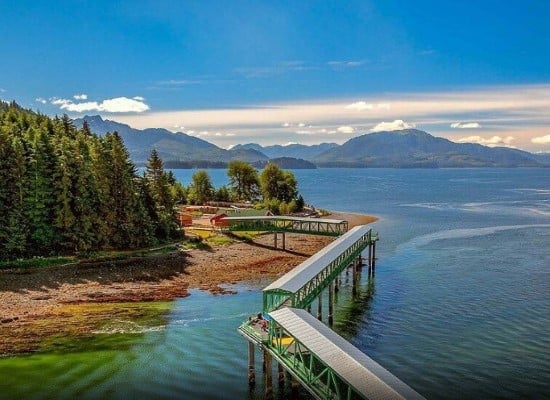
(60, 301)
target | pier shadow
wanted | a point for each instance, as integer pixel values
(351, 315)
(266, 246)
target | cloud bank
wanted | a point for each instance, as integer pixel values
(465, 125)
(494, 141)
(115, 105)
(541, 139)
(519, 111)
(396, 125)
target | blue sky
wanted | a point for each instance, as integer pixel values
(287, 71)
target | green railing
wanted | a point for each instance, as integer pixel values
(273, 224)
(304, 296)
(313, 373)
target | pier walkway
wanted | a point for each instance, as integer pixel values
(314, 226)
(326, 364)
(300, 286)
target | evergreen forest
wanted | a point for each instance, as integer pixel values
(65, 190)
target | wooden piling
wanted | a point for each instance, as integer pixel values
(275, 239)
(294, 388)
(280, 374)
(330, 303)
(251, 368)
(268, 376)
(373, 257)
(354, 280)
(370, 256)
(284, 240)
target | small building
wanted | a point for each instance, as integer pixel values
(218, 222)
(185, 219)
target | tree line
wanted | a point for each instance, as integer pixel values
(273, 188)
(65, 190)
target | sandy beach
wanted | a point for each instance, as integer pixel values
(63, 300)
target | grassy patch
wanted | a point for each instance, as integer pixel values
(113, 255)
(219, 240)
(36, 262)
(247, 236)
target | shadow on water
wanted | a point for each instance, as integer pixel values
(352, 308)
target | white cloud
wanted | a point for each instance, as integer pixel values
(344, 64)
(218, 134)
(541, 139)
(363, 105)
(285, 125)
(303, 132)
(81, 107)
(179, 82)
(229, 134)
(289, 144)
(40, 100)
(301, 125)
(493, 141)
(138, 98)
(465, 125)
(360, 106)
(396, 125)
(2, 90)
(346, 129)
(116, 105)
(80, 96)
(123, 104)
(59, 102)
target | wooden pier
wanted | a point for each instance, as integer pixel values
(312, 354)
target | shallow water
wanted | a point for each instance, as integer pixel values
(459, 308)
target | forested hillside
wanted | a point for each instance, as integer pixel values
(65, 190)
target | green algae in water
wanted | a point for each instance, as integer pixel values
(105, 326)
(85, 357)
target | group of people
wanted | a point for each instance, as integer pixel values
(259, 319)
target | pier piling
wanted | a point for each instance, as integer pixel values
(251, 369)
(268, 375)
(330, 303)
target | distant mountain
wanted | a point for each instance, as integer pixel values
(292, 150)
(171, 146)
(414, 148)
(287, 163)
(543, 158)
(400, 149)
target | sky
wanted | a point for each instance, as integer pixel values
(279, 72)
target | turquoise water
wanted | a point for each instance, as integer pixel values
(459, 308)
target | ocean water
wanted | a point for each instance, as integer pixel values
(459, 307)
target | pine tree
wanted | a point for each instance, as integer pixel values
(158, 183)
(43, 234)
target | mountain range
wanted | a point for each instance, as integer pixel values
(409, 148)
(178, 147)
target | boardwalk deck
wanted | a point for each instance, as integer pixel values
(315, 226)
(299, 287)
(355, 373)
